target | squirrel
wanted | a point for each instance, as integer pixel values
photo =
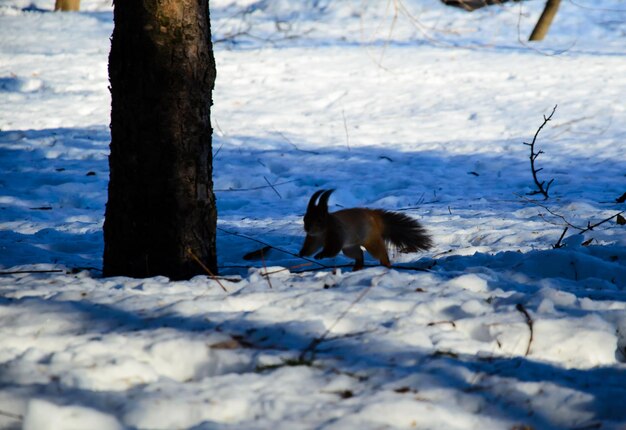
(348, 230)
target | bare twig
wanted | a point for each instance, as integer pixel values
(17, 272)
(592, 226)
(253, 188)
(595, 8)
(345, 127)
(310, 349)
(550, 211)
(558, 244)
(581, 230)
(273, 247)
(290, 268)
(529, 46)
(267, 275)
(273, 187)
(529, 321)
(533, 157)
(206, 269)
(286, 139)
(16, 417)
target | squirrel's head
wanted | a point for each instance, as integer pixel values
(316, 216)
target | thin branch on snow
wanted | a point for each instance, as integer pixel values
(533, 157)
(18, 272)
(310, 349)
(223, 190)
(267, 275)
(592, 226)
(551, 212)
(340, 266)
(16, 417)
(529, 321)
(568, 224)
(534, 48)
(286, 139)
(345, 127)
(273, 187)
(290, 269)
(273, 247)
(558, 244)
(206, 269)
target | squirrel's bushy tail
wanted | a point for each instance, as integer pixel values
(404, 232)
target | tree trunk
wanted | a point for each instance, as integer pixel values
(67, 5)
(161, 213)
(545, 20)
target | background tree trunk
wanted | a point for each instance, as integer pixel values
(67, 5)
(161, 207)
(545, 20)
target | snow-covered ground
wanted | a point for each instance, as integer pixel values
(404, 105)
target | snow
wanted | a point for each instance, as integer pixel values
(404, 105)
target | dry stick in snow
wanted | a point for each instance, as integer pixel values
(592, 226)
(310, 349)
(529, 321)
(17, 272)
(273, 187)
(267, 275)
(273, 247)
(206, 269)
(558, 243)
(253, 188)
(533, 157)
(16, 417)
(345, 127)
(581, 230)
(348, 266)
(290, 268)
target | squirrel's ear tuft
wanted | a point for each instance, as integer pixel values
(323, 203)
(312, 203)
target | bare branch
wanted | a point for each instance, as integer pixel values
(592, 226)
(267, 275)
(16, 417)
(273, 247)
(310, 349)
(533, 157)
(206, 269)
(345, 127)
(558, 244)
(17, 272)
(223, 190)
(273, 187)
(581, 230)
(529, 321)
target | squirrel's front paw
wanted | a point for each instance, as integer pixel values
(319, 255)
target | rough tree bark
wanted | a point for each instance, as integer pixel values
(545, 20)
(161, 208)
(67, 5)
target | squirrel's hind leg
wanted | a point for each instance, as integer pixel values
(378, 249)
(356, 253)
